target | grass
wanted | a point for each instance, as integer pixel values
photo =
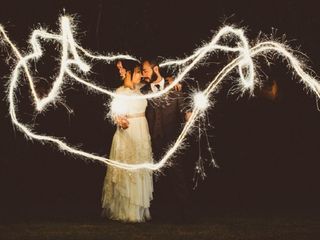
(218, 227)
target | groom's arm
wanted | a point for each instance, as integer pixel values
(177, 87)
(184, 105)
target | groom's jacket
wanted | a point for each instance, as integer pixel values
(165, 116)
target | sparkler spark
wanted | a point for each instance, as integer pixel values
(201, 101)
(72, 54)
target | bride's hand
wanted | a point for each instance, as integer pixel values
(122, 122)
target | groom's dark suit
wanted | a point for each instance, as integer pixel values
(166, 116)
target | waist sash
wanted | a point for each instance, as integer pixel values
(135, 115)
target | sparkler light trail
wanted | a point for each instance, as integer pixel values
(73, 55)
(200, 101)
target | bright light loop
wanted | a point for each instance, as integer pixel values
(73, 54)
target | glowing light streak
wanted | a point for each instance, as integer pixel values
(243, 63)
(200, 101)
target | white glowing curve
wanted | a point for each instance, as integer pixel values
(66, 39)
(69, 45)
(260, 48)
(247, 81)
(198, 56)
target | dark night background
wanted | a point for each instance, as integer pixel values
(268, 151)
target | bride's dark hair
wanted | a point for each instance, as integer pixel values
(130, 65)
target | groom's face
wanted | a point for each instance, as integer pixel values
(148, 72)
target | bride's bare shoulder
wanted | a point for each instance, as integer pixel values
(120, 89)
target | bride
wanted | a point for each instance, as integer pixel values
(127, 194)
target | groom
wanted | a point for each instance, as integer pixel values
(166, 116)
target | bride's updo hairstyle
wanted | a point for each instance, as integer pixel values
(130, 65)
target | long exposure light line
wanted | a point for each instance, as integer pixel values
(70, 55)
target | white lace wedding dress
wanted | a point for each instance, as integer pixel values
(127, 194)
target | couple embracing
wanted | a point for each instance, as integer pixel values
(144, 132)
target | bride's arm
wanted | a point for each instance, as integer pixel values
(118, 112)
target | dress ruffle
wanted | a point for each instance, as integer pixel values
(127, 194)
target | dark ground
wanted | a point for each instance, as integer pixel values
(240, 226)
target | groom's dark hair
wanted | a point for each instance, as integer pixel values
(154, 62)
